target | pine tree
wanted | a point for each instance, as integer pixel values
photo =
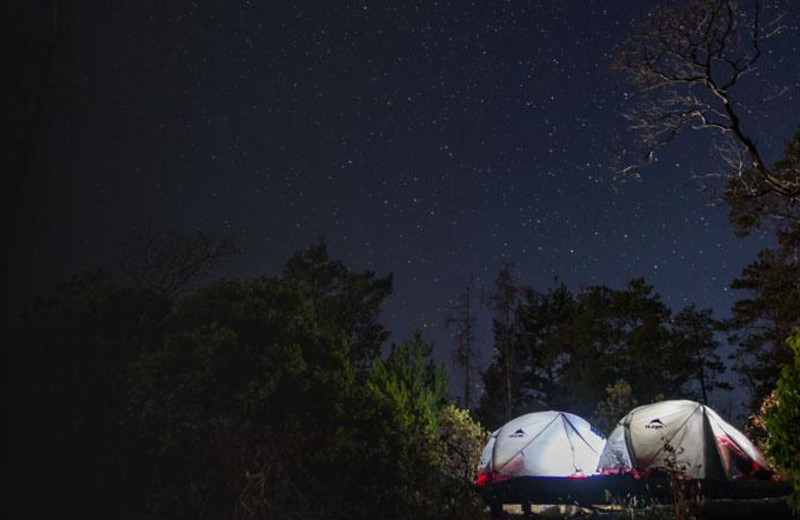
(503, 302)
(462, 324)
(762, 321)
(542, 342)
(696, 348)
(567, 350)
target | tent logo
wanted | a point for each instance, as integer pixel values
(517, 434)
(655, 424)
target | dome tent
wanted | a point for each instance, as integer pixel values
(541, 444)
(684, 436)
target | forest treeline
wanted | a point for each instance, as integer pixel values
(239, 399)
(558, 349)
(561, 350)
(133, 397)
(144, 392)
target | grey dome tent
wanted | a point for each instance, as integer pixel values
(683, 436)
(541, 444)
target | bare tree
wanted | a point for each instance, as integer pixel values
(462, 322)
(685, 62)
(752, 202)
(170, 262)
(502, 300)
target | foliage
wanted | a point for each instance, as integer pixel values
(461, 441)
(242, 400)
(568, 349)
(618, 334)
(685, 494)
(688, 61)
(619, 401)
(258, 378)
(757, 430)
(396, 429)
(762, 320)
(345, 302)
(761, 323)
(542, 342)
(696, 346)
(783, 418)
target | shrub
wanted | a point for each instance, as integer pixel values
(782, 420)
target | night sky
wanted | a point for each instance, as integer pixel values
(434, 140)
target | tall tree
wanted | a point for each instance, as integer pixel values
(502, 300)
(686, 61)
(766, 317)
(342, 300)
(245, 366)
(696, 345)
(618, 334)
(542, 343)
(569, 350)
(462, 323)
(771, 306)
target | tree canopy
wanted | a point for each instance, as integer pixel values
(568, 349)
(241, 399)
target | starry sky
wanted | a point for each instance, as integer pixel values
(435, 140)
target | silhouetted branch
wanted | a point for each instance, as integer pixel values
(685, 63)
(169, 262)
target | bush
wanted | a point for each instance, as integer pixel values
(462, 440)
(782, 419)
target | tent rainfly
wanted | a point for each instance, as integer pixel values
(683, 436)
(541, 444)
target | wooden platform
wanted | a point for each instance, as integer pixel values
(610, 496)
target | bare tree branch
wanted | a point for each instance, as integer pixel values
(685, 62)
(170, 262)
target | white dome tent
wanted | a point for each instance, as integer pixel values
(541, 444)
(683, 436)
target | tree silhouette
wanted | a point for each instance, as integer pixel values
(462, 323)
(502, 300)
(685, 61)
(696, 344)
(766, 316)
(170, 262)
